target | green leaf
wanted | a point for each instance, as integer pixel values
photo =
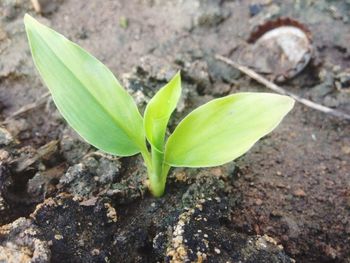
(86, 92)
(225, 128)
(159, 110)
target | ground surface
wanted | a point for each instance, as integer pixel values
(288, 198)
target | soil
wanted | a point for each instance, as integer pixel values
(286, 200)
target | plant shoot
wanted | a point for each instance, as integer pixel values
(100, 110)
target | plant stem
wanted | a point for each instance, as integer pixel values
(157, 170)
(158, 173)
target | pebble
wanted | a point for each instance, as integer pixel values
(4, 155)
(217, 251)
(5, 137)
(276, 213)
(258, 201)
(111, 213)
(95, 252)
(299, 193)
(254, 9)
(3, 205)
(58, 237)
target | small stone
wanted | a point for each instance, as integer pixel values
(3, 205)
(181, 177)
(95, 252)
(217, 172)
(58, 237)
(111, 213)
(276, 213)
(254, 9)
(217, 251)
(258, 201)
(299, 193)
(5, 137)
(4, 155)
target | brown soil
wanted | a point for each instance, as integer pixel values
(288, 198)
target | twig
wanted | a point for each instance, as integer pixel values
(251, 73)
(28, 107)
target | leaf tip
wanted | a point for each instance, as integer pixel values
(177, 77)
(27, 19)
(291, 102)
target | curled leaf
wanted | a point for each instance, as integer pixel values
(159, 110)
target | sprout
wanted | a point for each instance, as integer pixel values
(100, 110)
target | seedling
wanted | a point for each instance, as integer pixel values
(98, 108)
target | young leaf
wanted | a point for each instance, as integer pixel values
(225, 128)
(86, 92)
(158, 112)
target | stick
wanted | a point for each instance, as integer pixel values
(251, 73)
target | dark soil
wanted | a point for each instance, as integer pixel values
(287, 199)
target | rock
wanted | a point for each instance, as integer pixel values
(19, 242)
(5, 137)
